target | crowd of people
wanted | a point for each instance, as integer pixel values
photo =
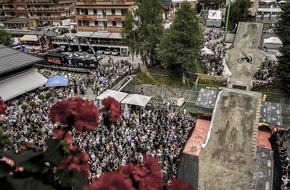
(265, 74)
(283, 136)
(213, 61)
(159, 133)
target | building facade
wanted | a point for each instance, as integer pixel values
(102, 15)
(44, 12)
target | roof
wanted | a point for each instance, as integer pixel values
(115, 36)
(273, 40)
(136, 99)
(58, 80)
(263, 141)
(198, 136)
(84, 34)
(11, 60)
(117, 95)
(264, 170)
(16, 31)
(30, 38)
(19, 20)
(214, 15)
(20, 84)
(100, 35)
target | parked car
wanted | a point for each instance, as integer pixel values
(99, 52)
(107, 52)
(115, 52)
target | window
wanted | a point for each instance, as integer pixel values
(124, 11)
(20, 7)
(123, 24)
(95, 11)
(113, 12)
(96, 23)
(114, 23)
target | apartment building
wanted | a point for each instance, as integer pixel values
(102, 15)
(44, 12)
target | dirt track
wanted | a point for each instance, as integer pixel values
(227, 160)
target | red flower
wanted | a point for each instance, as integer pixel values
(178, 184)
(147, 175)
(111, 181)
(3, 106)
(85, 114)
(78, 162)
(114, 106)
(59, 134)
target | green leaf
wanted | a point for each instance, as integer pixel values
(5, 169)
(72, 179)
(28, 184)
(55, 151)
(19, 158)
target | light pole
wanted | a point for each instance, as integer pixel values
(227, 20)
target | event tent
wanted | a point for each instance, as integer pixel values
(117, 95)
(136, 99)
(272, 43)
(57, 81)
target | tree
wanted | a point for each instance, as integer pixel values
(239, 12)
(181, 43)
(5, 37)
(143, 29)
(283, 67)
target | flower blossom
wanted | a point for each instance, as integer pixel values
(113, 106)
(3, 106)
(83, 114)
(79, 162)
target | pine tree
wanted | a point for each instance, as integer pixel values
(283, 67)
(181, 43)
(5, 37)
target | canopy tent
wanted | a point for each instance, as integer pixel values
(20, 84)
(30, 38)
(136, 99)
(57, 81)
(272, 43)
(273, 40)
(119, 96)
(206, 51)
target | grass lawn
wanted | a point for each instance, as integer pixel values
(209, 83)
(154, 79)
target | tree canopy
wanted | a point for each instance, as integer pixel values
(283, 67)
(181, 43)
(144, 28)
(5, 37)
(239, 12)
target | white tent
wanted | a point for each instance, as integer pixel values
(272, 43)
(119, 96)
(206, 51)
(273, 40)
(136, 99)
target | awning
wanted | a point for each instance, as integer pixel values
(20, 84)
(100, 35)
(115, 36)
(32, 38)
(136, 99)
(84, 34)
(117, 95)
(57, 81)
(273, 40)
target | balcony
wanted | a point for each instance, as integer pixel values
(86, 17)
(43, 10)
(42, 2)
(115, 18)
(106, 2)
(88, 28)
(8, 9)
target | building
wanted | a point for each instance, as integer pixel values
(44, 12)
(102, 15)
